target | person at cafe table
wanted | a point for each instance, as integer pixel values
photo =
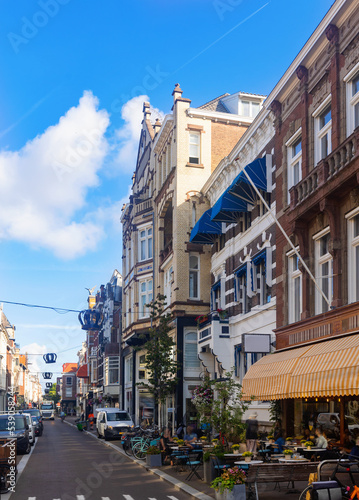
(191, 437)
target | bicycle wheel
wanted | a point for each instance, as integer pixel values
(139, 450)
(303, 495)
(127, 448)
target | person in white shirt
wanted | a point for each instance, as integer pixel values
(321, 441)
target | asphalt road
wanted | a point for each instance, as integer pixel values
(69, 465)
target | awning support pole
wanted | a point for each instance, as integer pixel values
(342, 419)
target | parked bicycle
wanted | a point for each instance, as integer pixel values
(341, 482)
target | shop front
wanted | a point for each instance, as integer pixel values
(317, 384)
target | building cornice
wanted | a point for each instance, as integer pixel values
(218, 116)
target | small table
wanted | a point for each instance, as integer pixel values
(288, 460)
(253, 462)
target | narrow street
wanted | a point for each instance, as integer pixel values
(69, 465)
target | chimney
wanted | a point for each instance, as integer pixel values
(146, 111)
(177, 93)
(157, 125)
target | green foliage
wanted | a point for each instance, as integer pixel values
(229, 479)
(160, 353)
(52, 395)
(153, 450)
(225, 408)
(275, 411)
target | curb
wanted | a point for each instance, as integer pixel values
(180, 485)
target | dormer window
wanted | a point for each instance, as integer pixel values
(249, 108)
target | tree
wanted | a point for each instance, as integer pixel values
(160, 357)
(52, 395)
(219, 403)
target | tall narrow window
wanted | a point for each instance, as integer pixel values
(216, 296)
(145, 297)
(352, 99)
(193, 276)
(194, 147)
(243, 289)
(324, 272)
(294, 289)
(353, 258)
(323, 130)
(168, 285)
(191, 360)
(145, 243)
(294, 148)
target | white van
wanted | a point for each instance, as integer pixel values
(31, 428)
(112, 423)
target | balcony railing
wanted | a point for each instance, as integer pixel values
(325, 170)
(143, 206)
(342, 320)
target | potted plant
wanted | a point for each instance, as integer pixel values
(222, 314)
(180, 442)
(308, 444)
(203, 439)
(302, 441)
(271, 438)
(288, 440)
(247, 456)
(215, 441)
(230, 485)
(153, 457)
(235, 448)
(288, 454)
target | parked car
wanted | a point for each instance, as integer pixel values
(330, 423)
(16, 426)
(31, 428)
(37, 419)
(112, 423)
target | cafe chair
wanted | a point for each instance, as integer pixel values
(194, 461)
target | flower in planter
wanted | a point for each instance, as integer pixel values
(303, 441)
(247, 454)
(289, 439)
(222, 313)
(180, 442)
(308, 443)
(287, 452)
(201, 319)
(153, 450)
(229, 479)
(235, 446)
(270, 437)
(203, 438)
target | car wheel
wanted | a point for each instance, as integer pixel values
(28, 449)
(99, 435)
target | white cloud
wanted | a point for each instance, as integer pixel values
(45, 184)
(36, 364)
(129, 135)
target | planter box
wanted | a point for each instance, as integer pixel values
(238, 493)
(154, 460)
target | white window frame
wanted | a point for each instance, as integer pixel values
(294, 274)
(188, 344)
(67, 381)
(353, 265)
(194, 144)
(351, 100)
(167, 284)
(292, 161)
(145, 296)
(128, 370)
(68, 392)
(321, 132)
(242, 293)
(251, 113)
(112, 364)
(321, 305)
(145, 241)
(197, 273)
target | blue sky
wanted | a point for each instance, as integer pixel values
(74, 77)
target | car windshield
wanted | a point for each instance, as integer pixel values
(119, 416)
(7, 425)
(34, 413)
(34, 419)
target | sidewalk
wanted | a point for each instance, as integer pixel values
(195, 487)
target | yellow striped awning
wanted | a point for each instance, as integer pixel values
(327, 368)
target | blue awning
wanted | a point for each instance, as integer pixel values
(206, 230)
(226, 209)
(260, 173)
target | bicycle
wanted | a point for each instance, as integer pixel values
(139, 449)
(339, 490)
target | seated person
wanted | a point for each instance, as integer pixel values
(191, 437)
(321, 441)
(280, 442)
(165, 449)
(354, 452)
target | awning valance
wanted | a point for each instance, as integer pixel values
(227, 208)
(260, 173)
(328, 368)
(206, 230)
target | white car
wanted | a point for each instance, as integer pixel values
(31, 428)
(112, 423)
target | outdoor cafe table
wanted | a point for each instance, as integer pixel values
(291, 460)
(311, 452)
(252, 462)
